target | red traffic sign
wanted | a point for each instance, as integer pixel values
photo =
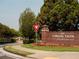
(36, 27)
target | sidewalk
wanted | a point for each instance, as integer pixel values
(38, 54)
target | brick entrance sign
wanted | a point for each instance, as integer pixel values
(66, 38)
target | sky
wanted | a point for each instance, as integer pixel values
(10, 10)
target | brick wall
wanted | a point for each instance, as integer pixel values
(68, 38)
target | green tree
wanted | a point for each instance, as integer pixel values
(26, 21)
(60, 14)
(7, 32)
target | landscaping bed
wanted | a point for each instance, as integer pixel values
(16, 51)
(51, 48)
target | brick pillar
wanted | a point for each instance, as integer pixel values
(45, 33)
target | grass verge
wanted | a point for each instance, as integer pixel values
(49, 48)
(16, 51)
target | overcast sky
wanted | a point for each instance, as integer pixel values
(10, 10)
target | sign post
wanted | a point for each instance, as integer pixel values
(36, 34)
(36, 28)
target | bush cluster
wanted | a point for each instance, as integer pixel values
(27, 41)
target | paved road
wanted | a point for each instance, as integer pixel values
(45, 54)
(6, 55)
(2, 54)
(38, 54)
(1, 45)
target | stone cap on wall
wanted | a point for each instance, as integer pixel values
(45, 28)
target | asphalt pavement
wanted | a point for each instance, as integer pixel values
(5, 57)
(2, 45)
(4, 54)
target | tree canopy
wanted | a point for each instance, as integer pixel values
(60, 15)
(26, 21)
(6, 32)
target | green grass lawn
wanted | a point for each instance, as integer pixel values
(16, 51)
(48, 48)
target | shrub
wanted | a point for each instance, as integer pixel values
(13, 40)
(27, 41)
(1, 40)
(39, 44)
(4, 40)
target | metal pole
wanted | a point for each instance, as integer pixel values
(36, 37)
